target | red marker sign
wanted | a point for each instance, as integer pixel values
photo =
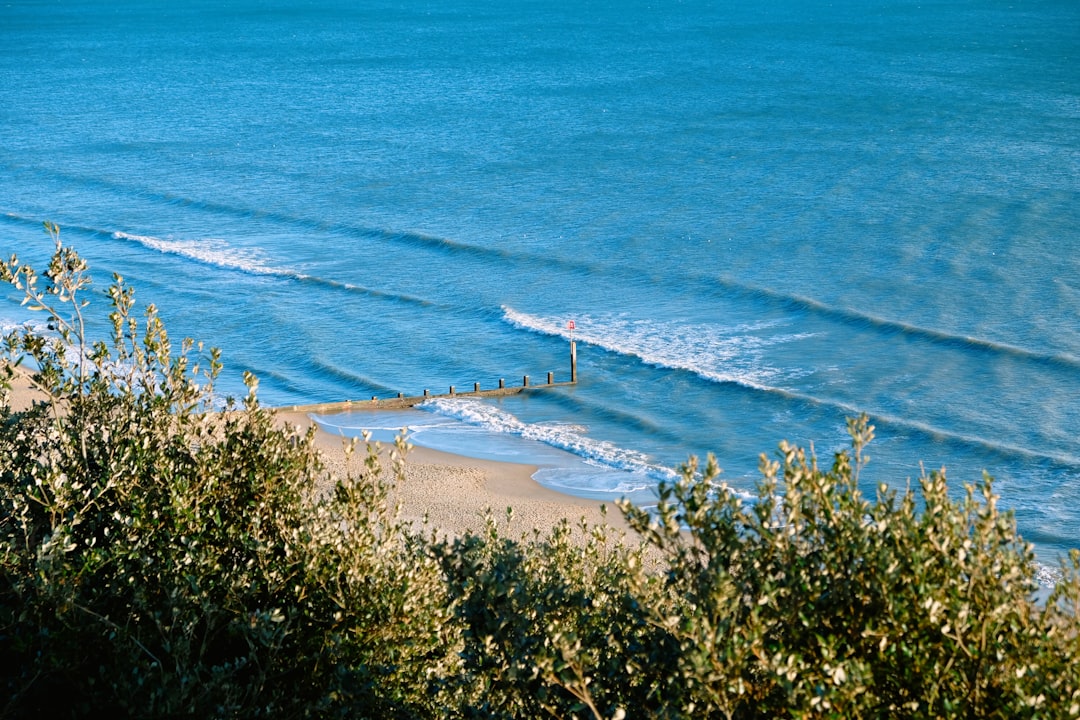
(570, 324)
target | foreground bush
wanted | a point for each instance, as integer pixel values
(159, 558)
(815, 601)
(811, 601)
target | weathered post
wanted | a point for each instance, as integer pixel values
(573, 352)
(525, 382)
(551, 377)
(451, 389)
(476, 387)
(502, 383)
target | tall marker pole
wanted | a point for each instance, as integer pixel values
(573, 353)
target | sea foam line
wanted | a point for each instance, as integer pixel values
(807, 304)
(398, 237)
(218, 253)
(563, 437)
(209, 251)
(33, 325)
(732, 355)
(660, 346)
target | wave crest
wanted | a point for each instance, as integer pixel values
(219, 253)
(209, 251)
(569, 438)
(735, 355)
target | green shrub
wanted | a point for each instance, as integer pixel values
(551, 625)
(160, 557)
(816, 602)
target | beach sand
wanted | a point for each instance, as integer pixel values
(22, 393)
(455, 493)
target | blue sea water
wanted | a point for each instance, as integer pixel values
(763, 218)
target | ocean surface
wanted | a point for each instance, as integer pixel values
(762, 218)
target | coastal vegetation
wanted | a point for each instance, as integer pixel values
(165, 554)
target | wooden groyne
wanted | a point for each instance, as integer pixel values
(408, 401)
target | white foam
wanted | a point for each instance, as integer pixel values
(717, 353)
(1048, 576)
(210, 251)
(569, 438)
(10, 325)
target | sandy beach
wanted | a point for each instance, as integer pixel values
(22, 394)
(454, 493)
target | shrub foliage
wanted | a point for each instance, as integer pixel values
(161, 556)
(161, 559)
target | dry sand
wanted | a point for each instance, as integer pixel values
(22, 392)
(454, 492)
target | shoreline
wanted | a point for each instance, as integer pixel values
(454, 492)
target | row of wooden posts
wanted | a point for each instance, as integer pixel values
(403, 401)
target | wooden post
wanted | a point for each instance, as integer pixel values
(502, 383)
(551, 377)
(451, 389)
(427, 393)
(573, 361)
(476, 387)
(525, 382)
